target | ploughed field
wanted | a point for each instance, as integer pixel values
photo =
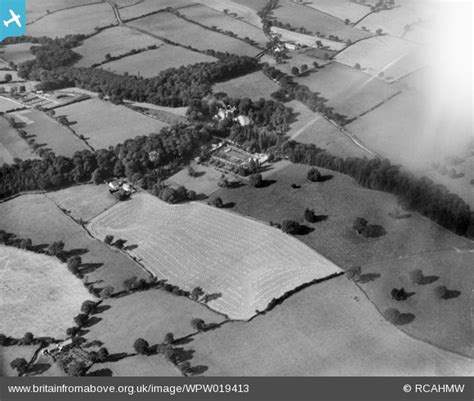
(191, 245)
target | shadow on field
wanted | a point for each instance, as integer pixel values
(427, 280)
(368, 277)
(183, 355)
(87, 268)
(75, 252)
(39, 368)
(228, 205)
(101, 372)
(451, 294)
(304, 230)
(100, 309)
(130, 247)
(117, 356)
(325, 178)
(197, 370)
(198, 174)
(267, 183)
(94, 343)
(92, 321)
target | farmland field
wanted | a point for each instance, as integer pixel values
(407, 140)
(160, 313)
(315, 21)
(73, 21)
(327, 329)
(151, 62)
(105, 124)
(46, 131)
(242, 10)
(38, 218)
(140, 9)
(114, 41)
(12, 145)
(209, 17)
(443, 322)
(310, 127)
(39, 294)
(351, 92)
(37, 9)
(255, 5)
(16, 53)
(84, 201)
(8, 104)
(341, 200)
(8, 354)
(248, 262)
(139, 365)
(176, 29)
(341, 9)
(254, 86)
(391, 56)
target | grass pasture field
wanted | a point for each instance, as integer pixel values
(339, 201)
(74, 20)
(206, 181)
(327, 329)
(171, 27)
(351, 92)
(341, 9)
(310, 127)
(135, 9)
(38, 218)
(105, 124)
(48, 132)
(8, 354)
(114, 41)
(249, 263)
(7, 104)
(242, 10)
(314, 21)
(12, 145)
(84, 201)
(138, 365)
(409, 140)
(391, 56)
(256, 5)
(39, 294)
(151, 62)
(160, 313)
(443, 322)
(254, 86)
(212, 18)
(38, 9)
(16, 53)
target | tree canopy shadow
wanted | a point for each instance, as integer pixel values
(428, 280)
(75, 252)
(368, 277)
(198, 174)
(404, 318)
(117, 356)
(39, 368)
(197, 370)
(101, 372)
(130, 247)
(182, 355)
(89, 267)
(228, 205)
(267, 183)
(101, 309)
(451, 294)
(304, 230)
(92, 321)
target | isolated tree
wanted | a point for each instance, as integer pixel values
(141, 346)
(399, 294)
(295, 71)
(347, 21)
(77, 368)
(8, 78)
(354, 273)
(313, 175)
(441, 292)
(290, 227)
(217, 202)
(3, 339)
(357, 66)
(169, 338)
(223, 183)
(392, 315)
(360, 224)
(88, 307)
(310, 216)
(191, 171)
(416, 276)
(119, 244)
(108, 239)
(185, 367)
(379, 31)
(304, 67)
(20, 365)
(72, 331)
(256, 180)
(198, 324)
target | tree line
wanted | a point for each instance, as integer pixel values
(419, 194)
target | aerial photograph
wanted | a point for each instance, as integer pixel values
(236, 188)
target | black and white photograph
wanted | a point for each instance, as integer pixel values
(199, 189)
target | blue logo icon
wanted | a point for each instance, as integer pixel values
(12, 18)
